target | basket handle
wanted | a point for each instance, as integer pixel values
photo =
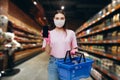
(68, 53)
(81, 56)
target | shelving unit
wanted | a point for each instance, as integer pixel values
(102, 54)
(100, 37)
(114, 77)
(30, 41)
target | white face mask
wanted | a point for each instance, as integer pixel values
(59, 23)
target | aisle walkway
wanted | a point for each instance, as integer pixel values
(33, 69)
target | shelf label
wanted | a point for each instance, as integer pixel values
(104, 41)
(113, 10)
(104, 54)
(103, 29)
(93, 22)
(110, 41)
(114, 57)
(98, 19)
(103, 16)
(108, 74)
(114, 41)
(108, 13)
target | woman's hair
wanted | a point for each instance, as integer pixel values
(62, 12)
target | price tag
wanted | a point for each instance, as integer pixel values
(106, 28)
(110, 41)
(114, 41)
(113, 10)
(103, 16)
(103, 29)
(104, 41)
(98, 19)
(114, 57)
(108, 13)
(97, 30)
(93, 22)
(108, 74)
(104, 54)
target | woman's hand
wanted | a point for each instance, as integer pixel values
(48, 39)
(73, 51)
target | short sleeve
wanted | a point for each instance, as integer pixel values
(74, 41)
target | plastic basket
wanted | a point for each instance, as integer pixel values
(71, 71)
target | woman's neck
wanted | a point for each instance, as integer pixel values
(59, 29)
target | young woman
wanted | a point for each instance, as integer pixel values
(58, 42)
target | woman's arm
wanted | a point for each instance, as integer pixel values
(74, 44)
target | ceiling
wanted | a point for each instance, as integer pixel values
(76, 11)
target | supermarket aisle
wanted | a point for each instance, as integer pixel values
(33, 69)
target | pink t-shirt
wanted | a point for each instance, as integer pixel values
(60, 42)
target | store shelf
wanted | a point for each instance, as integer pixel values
(29, 41)
(94, 78)
(27, 36)
(24, 29)
(102, 54)
(30, 46)
(106, 72)
(22, 54)
(101, 34)
(101, 30)
(117, 41)
(99, 18)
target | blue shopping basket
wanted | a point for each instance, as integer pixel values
(74, 68)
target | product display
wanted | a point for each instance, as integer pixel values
(96, 74)
(103, 41)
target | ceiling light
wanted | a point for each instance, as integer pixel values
(62, 7)
(35, 3)
(44, 18)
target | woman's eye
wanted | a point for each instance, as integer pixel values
(59, 18)
(62, 18)
(56, 18)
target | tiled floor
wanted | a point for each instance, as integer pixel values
(33, 69)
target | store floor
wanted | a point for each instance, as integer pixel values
(33, 69)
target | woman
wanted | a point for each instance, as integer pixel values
(58, 42)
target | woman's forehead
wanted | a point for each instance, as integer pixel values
(59, 15)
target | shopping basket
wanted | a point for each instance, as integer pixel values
(74, 68)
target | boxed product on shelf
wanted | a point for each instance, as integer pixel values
(117, 70)
(114, 3)
(109, 7)
(114, 35)
(94, 38)
(102, 48)
(100, 13)
(118, 35)
(118, 51)
(99, 37)
(108, 22)
(108, 49)
(98, 61)
(106, 9)
(110, 35)
(106, 63)
(88, 31)
(114, 50)
(116, 18)
(96, 74)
